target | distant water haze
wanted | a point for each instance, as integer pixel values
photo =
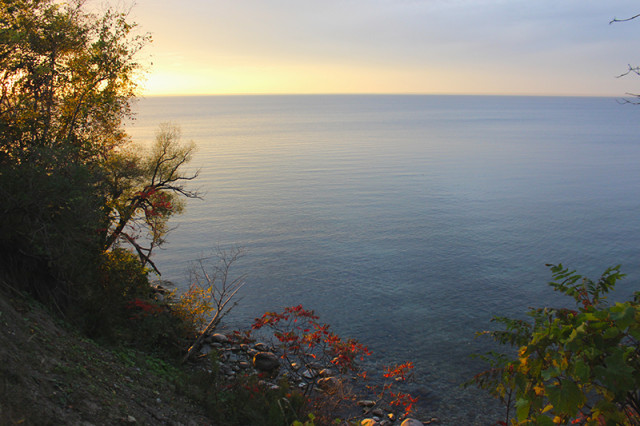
(407, 222)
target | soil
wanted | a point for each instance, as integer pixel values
(51, 375)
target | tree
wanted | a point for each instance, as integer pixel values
(66, 81)
(142, 193)
(71, 183)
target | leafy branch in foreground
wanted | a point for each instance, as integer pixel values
(578, 366)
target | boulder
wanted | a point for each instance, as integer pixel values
(266, 361)
(377, 412)
(328, 383)
(411, 422)
(219, 338)
(308, 374)
(262, 347)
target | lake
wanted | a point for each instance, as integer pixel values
(407, 222)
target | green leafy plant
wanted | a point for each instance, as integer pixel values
(578, 366)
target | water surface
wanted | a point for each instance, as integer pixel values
(408, 221)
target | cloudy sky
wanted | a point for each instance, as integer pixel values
(541, 47)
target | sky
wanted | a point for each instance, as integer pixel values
(507, 47)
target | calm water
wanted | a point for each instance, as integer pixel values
(408, 221)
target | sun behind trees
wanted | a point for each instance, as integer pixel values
(82, 208)
(72, 185)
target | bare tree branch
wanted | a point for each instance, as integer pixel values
(221, 291)
(614, 20)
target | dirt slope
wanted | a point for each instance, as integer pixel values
(49, 375)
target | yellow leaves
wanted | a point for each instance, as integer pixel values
(524, 367)
(194, 306)
(539, 390)
(557, 420)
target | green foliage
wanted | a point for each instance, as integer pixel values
(573, 365)
(121, 309)
(47, 228)
(67, 80)
(71, 186)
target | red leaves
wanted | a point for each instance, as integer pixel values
(300, 334)
(302, 338)
(399, 370)
(154, 202)
(404, 399)
(144, 308)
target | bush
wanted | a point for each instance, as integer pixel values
(577, 365)
(121, 308)
(49, 219)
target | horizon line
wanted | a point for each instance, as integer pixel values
(167, 95)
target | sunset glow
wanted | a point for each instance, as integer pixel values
(390, 46)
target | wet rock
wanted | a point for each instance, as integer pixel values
(261, 347)
(411, 422)
(377, 412)
(366, 403)
(266, 361)
(219, 338)
(328, 383)
(326, 372)
(308, 374)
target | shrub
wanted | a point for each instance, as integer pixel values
(307, 346)
(577, 365)
(120, 309)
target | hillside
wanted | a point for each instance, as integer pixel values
(51, 375)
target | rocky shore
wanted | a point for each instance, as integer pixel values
(262, 359)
